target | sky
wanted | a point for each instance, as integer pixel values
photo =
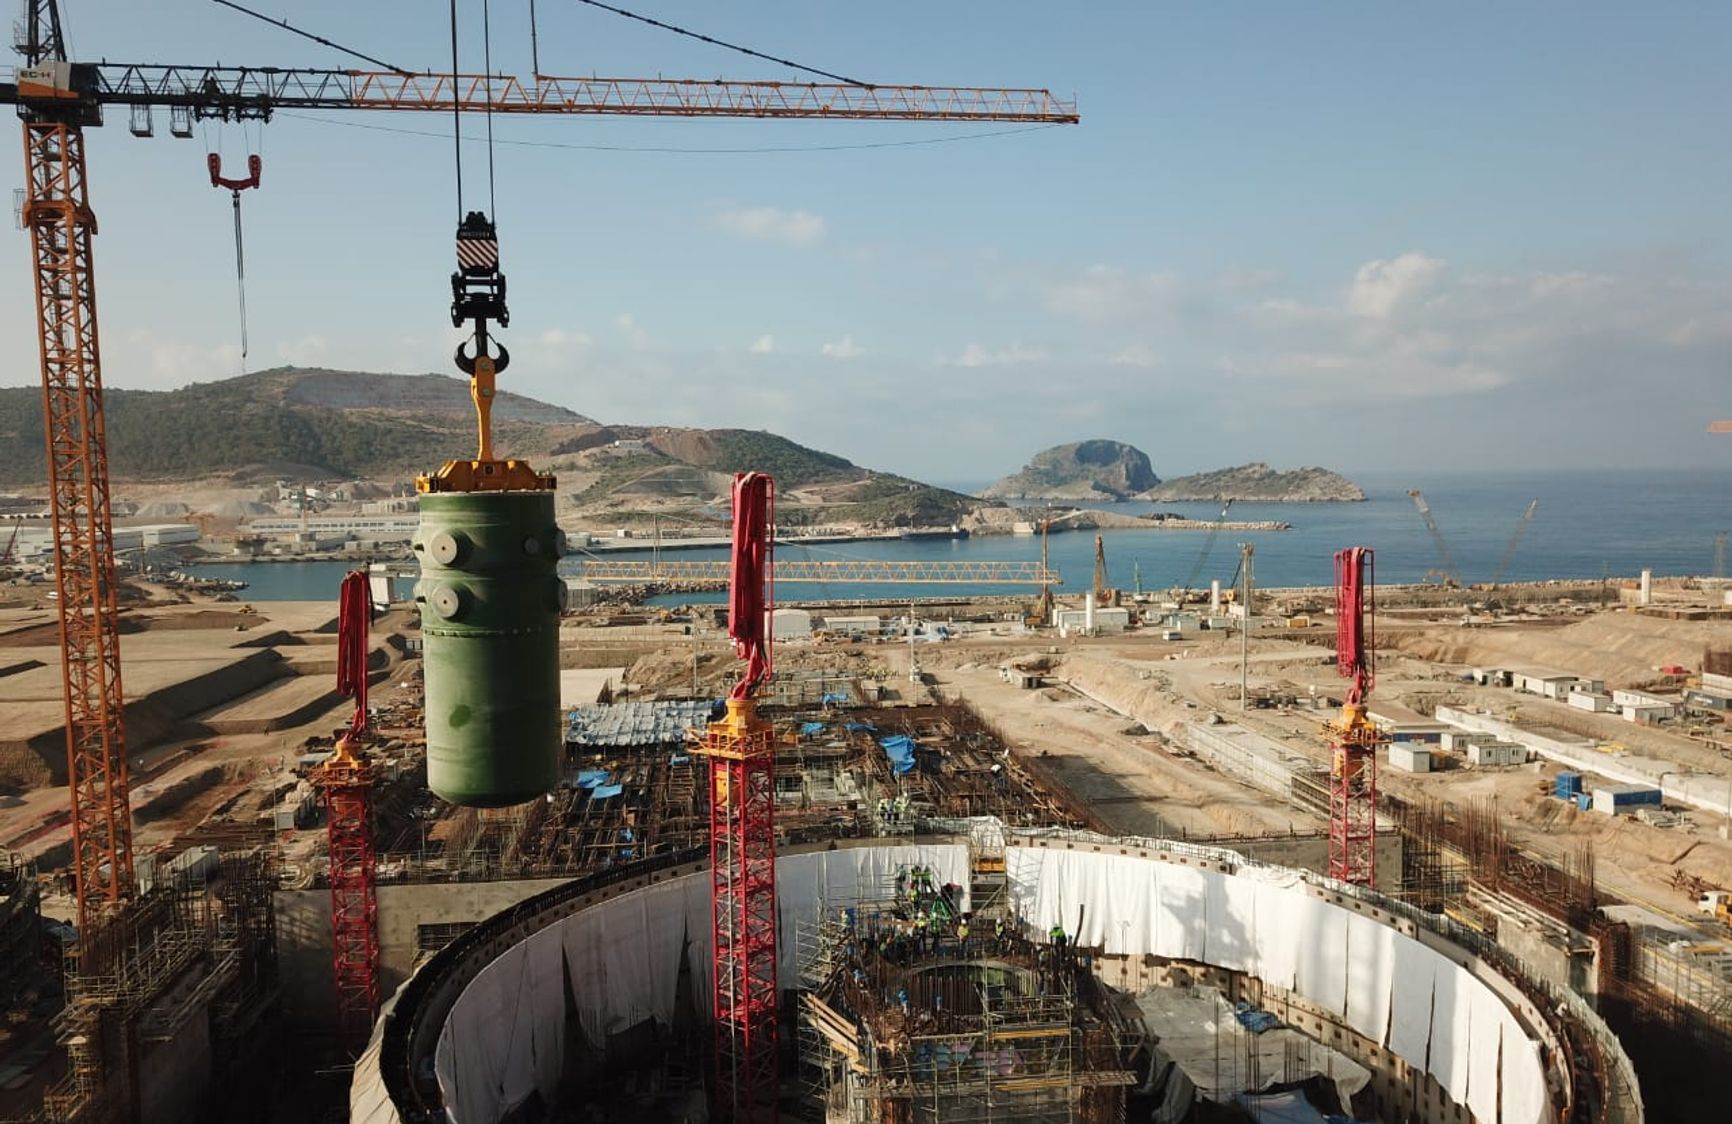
(1362, 235)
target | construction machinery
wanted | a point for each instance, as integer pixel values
(1515, 540)
(58, 98)
(1183, 594)
(347, 779)
(1105, 595)
(1447, 571)
(742, 829)
(1354, 738)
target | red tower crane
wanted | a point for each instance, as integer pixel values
(743, 830)
(348, 809)
(58, 98)
(1354, 739)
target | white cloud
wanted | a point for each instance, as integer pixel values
(763, 345)
(1381, 287)
(795, 228)
(167, 362)
(635, 334)
(554, 348)
(308, 351)
(844, 348)
(1135, 355)
(974, 355)
(1106, 293)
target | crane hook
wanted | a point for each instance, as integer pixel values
(466, 362)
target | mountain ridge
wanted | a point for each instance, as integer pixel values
(322, 424)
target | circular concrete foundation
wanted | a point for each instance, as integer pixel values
(482, 1028)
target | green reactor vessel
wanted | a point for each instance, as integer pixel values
(490, 598)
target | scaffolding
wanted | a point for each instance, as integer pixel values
(201, 940)
(973, 1025)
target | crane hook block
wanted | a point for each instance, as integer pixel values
(215, 163)
(466, 362)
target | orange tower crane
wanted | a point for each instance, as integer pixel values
(57, 99)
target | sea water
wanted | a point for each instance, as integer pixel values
(1588, 524)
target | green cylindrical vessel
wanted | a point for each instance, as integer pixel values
(490, 599)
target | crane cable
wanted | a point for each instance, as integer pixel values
(456, 114)
(714, 42)
(487, 68)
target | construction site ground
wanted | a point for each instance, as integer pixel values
(1101, 688)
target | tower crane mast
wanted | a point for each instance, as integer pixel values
(1354, 738)
(743, 831)
(57, 98)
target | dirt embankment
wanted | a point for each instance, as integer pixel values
(1621, 648)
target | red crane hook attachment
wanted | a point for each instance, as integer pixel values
(215, 163)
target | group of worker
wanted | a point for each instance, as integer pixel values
(893, 811)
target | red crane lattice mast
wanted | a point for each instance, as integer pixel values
(743, 831)
(348, 808)
(1354, 739)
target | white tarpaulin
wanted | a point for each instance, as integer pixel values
(503, 1038)
(1410, 1007)
(1451, 1029)
(1482, 1081)
(1322, 953)
(1389, 987)
(1371, 976)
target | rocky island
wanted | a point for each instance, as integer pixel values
(1083, 470)
(1258, 483)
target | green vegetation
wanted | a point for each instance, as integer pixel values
(218, 429)
(793, 466)
(332, 424)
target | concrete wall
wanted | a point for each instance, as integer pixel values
(173, 1077)
(304, 936)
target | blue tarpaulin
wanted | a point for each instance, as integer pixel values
(678, 759)
(589, 778)
(1254, 1020)
(807, 729)
(832, 697)
(603, 791)
(900, 750)
(854, 727)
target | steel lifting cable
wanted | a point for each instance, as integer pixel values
(456, 115)
(487, 67)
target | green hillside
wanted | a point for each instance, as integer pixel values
(287, 421)
(302, 423)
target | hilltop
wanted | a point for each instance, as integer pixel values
(1258, 483)
(1083, 470)
(313, 424)
(288, 422)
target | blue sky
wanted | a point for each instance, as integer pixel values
(1358, 235)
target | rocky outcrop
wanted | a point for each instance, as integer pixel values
(1258, 483)
(1084, 470)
